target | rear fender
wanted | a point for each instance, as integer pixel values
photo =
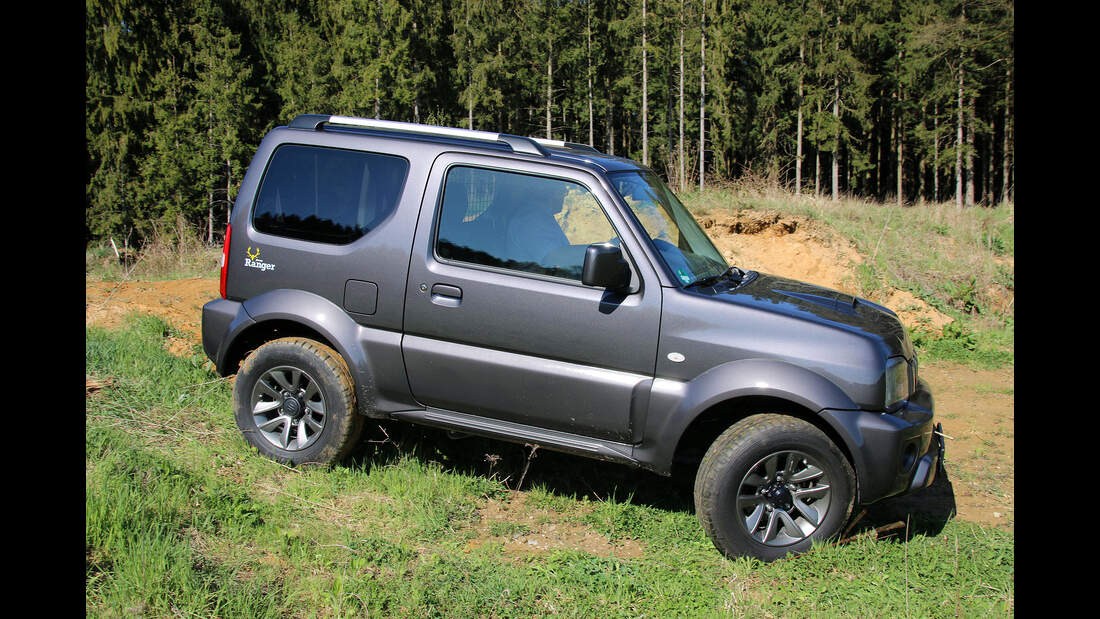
(373, 355)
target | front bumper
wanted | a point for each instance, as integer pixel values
(929, 463)
(892, 453)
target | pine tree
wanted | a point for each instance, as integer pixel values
(224, 103)
(303, 63)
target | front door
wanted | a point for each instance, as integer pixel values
(497, 321)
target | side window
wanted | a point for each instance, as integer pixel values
(326, 194)
(519, 221)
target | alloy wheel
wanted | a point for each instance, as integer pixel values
(784, 498)
(288, 408)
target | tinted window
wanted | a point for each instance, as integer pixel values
(518, 221)
(325, 194)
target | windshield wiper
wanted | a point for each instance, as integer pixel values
(712, 279)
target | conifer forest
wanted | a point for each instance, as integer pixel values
(894, 101)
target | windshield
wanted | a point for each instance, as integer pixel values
(683, 245)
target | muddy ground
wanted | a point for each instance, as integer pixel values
(976, 407)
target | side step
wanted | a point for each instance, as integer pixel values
(599, 449)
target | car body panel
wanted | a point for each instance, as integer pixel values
(614, 375)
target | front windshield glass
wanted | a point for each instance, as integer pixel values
(683, 245)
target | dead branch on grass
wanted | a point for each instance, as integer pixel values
(92, 385)
(854, 523)
(492, 459)
(526, 465)
(385, 440)
(209, 382)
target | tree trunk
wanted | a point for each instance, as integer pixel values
(817, 159)
(549, 81)
(936, 153)
(609, 114)
(836, 137)
(591, 114)
(798, 148)
(817, 173)
(987, 183)
(681, 144)
(228, 186)
(416, 71)
(959, 145)
(470, 78)
(377, 90)
(970, 153)
(901, 142)
(1005, 153)
(922, 169)
(702, 88)
(836, 121)
(645, 93)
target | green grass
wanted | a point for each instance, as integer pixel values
(958, 261)
(184, 519)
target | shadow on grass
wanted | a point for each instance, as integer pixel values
(558, 473)
(927, 510)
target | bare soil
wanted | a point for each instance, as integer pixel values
(522, 530)
(976, 407)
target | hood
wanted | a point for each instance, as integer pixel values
(820, 305)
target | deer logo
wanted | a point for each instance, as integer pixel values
(252, 256)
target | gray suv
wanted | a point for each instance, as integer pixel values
(543, 292)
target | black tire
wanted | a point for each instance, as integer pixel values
(808, 497)
(320, 426)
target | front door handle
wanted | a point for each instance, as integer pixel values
(446, 296)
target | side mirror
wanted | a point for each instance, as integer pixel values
(604, 266)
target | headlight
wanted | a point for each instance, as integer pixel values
(897, 380)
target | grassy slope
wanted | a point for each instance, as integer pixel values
(182, 519)
(958, 261)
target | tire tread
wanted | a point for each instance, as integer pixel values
(728, 446)
(346, 437)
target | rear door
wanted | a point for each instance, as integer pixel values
(497, 322)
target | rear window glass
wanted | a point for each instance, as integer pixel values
(327, 195)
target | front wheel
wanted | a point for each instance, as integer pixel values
(294, 401)
(770, 485)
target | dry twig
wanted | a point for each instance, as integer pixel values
(526, 465)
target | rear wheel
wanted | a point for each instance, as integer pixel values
(294, 401)
(770, 485)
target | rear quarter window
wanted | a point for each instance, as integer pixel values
(327, 195)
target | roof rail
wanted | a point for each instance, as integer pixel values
(562, 144)
(517, 143)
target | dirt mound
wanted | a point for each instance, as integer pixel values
(754, 222)
(799, 248)
(178, 301)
